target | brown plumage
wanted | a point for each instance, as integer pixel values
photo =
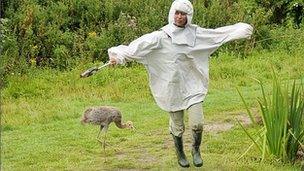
(104, 116)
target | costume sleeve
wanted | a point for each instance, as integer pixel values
(225, 34)
(137, 49)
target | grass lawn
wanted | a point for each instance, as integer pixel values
(41, 114)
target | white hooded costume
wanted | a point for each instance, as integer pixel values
(177, 58)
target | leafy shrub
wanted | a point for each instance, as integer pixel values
(35, 29)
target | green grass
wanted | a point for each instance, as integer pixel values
(41, 113)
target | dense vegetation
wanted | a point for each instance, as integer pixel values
(45, 44)
(58, 33)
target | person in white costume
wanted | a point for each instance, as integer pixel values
(176, 59)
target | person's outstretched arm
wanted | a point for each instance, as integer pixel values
(136, 50)
(225, 34)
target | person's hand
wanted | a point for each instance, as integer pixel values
(249, 31)
(113, 60)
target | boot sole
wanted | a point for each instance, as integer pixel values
(184, 165)
(198, 165)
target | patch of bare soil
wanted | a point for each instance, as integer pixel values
(216, 127)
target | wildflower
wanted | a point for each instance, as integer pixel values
(92, 34)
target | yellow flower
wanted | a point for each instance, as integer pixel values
(33, 61)
(92, 34)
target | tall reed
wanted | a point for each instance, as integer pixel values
(282, 114)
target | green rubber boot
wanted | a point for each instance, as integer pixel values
(182, 160)
(197, 159)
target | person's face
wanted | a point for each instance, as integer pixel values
(180, 18)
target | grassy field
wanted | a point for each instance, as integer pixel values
(41, 114)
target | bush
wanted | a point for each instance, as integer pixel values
(85, 29)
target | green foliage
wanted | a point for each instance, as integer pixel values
(295, 122)
(41, 107)
(58, 33)
(283, 120)
(279, 11)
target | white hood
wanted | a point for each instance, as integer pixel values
(181, 5)
(181, 36)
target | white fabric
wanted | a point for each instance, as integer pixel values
(181, 5)
(178, 73)
(179, 35)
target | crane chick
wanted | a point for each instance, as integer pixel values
(104, 116)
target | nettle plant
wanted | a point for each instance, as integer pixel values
(282, 134)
